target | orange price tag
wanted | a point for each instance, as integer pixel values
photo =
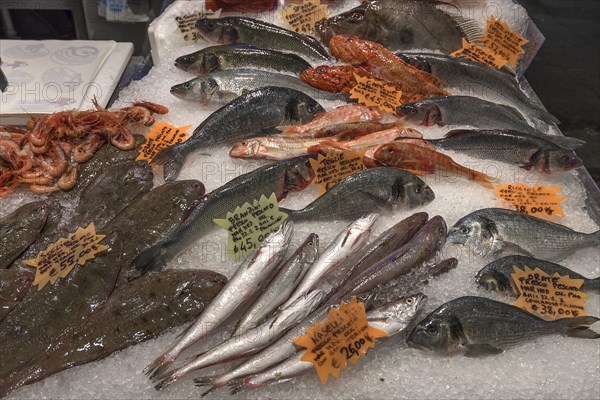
(480, 54)
(161, 136)
(550, 297)
(303, 17)
(375, 92)
(538, 201)
(344, 336)
(333, 168)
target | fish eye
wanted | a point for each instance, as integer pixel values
(412, 110)
(312, 109)
(465, 230)
(357, 17)
(187, 85)
(321, 70)
(349, 39)
(565, 158)
(409, 301)
(441, 231)
(209, 25)
(432, 330)
(419, 189)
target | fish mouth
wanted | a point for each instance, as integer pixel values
(417, 346)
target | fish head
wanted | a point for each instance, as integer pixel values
(434, 231)
(249, 148)
(356, 22)
(561, 160)
(302, 109)
(329, 78)
(421, 113)
(198, 89)
(409, 190)
(395, 316)
(493, 280)
(387, 154)
(298, 176)
(217, 30)
(440, 331)
(475, 232)
(195, 290)
(352, 49)
(310, 248)
(190, 62)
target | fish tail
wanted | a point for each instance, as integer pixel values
(150, 260)
(544, 115)
(159, 366)
(483, 179)
(236, 386)
(172, 168)
(578, 327)
(166, 379)
(592, 285)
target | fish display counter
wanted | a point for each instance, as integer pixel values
(199, 248)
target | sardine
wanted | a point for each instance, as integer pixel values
(250, 277)
(498, 231)
(244, 117)
(19, 229)
(347, 242)
(136, 312)
(479, 80)
(235, 56)
(279, 178)
(249, 342)
(496, 275)
(545, 154)
(402, 25)
(282, 285)
(229, 84)
(477, 326)
(383, 189)
(465, 111)
(14, 285)
(261, 34)
(391, 318)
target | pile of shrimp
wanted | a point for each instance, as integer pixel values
(46, 154)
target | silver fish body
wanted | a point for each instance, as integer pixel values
(498, 231)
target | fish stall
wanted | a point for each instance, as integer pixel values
(305, 199)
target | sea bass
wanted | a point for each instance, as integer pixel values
(496, 275)
(239, 120)
(279, 178)
(477, 326)
(496, 231)
(544, 154)
(222, 58)
(402, 25)
(383, 189)
(261, 34)
(250, 277)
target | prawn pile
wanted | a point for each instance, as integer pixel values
(46, 154)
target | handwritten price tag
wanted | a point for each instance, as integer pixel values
(480, 54)
(250, 224)
(303, 17)
(375, 92)
(550, 297)
(344, 336)
(61, 257)
(331, 169)
(538, 201)
(161, 136)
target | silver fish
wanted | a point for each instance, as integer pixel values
(494, 231)
(249, 278)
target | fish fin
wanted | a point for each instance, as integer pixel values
(158, 367)
(204, 381)
(513, 248)
(568, 143)
(165, 379)
(379, 202)
(579, 327)
(481, 350)
(592, 285)
(460, 132)
(151, 259)
(468, 27)
(171, 161)
(235, 387)
(543, 115)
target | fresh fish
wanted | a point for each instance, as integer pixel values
(479, 80)
(250, 278)
(261, 34)
(377, 138)
(244, 117)
(235, 56)
(478, 326)
(376, 59)
(275, 147)
(136, 312)
(402, 25)
(347, 243)
(229, 84)
(427, 241)
(279, 178)
(392, 318)
(377, 189)
(496, 275)
(421, 160)
(493, 231)
(545, 154)
(465, 111)
(14, 285)
(282, 285)
(19, 229)
(249, 342)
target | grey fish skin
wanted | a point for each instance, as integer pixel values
(496, 276)
(399, 25)
(498, 231)
(134, 313)
(227, 85)
(246, 116)
(465, 111)
(14, 285)
(279, 178)
(479, 326)
(251, 277)
(428, 240)
(261, 34)
(385, 189)
(544, 154)
(221, 58)
(480, 80)
(282, 285)
(19, 229)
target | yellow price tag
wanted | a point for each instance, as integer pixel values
(537, 201)
(331, 169)
(303, 17)
(375, 92)
(161, 136)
